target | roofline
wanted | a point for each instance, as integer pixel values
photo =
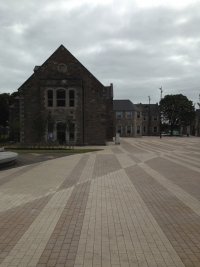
(51, 56)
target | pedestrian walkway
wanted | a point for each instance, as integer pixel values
(134, 204)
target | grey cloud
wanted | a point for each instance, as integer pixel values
(137, 49)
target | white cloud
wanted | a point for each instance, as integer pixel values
(165, 3)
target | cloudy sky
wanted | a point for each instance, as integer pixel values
(138, 45)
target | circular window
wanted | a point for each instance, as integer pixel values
(62, 68)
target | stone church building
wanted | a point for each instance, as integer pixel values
(63, 88)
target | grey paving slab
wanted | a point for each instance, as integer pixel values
(134, 204)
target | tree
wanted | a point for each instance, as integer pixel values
(6, 100)
(69, 127)
(4, 110)
(177, 110)
(39, 126)
(68, 123)
(15, 127)
(51, 126)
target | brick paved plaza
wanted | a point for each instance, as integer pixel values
(135, 204)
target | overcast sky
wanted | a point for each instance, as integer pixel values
(138, 45)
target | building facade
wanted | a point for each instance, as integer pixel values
(63, 88)
(150, 119)
(127, 118)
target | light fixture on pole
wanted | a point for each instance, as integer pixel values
(149, 114)
(161, 90)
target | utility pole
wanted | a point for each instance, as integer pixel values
(149, 114)
(161, 90)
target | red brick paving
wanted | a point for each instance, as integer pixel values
(15, 222)
(112, 198)
(185, 178)
(63, 243)
(179, 223)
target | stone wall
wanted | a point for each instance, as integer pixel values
(133, 121)
(63, 71)
(150, 121)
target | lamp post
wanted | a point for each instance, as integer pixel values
(161, 90)
(149, 113)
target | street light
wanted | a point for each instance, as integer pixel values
(149, 113)
(161, 90)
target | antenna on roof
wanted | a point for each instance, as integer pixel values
(161, 91)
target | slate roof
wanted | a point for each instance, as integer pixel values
(154, 108)
(60, 47)
(126, 105)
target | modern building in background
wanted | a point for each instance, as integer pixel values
(150, 119)
(127, 118)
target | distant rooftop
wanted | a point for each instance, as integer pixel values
(124, 105)
(154, 108)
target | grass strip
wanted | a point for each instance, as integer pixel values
(40, 151)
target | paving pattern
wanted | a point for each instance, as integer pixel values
(134, 204)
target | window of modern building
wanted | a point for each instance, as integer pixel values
(138, 129)
(155, 117)
(138, 114)
(128, 114)
(72, 132)
(71, 98)
(155, 129)
(60, 98)
(144, 129)
(119, 114)
(128, 129)
(119, 129)
(50, 98)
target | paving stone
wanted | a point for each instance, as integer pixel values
(135, 204)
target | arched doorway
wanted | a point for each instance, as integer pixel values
(61, 137)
